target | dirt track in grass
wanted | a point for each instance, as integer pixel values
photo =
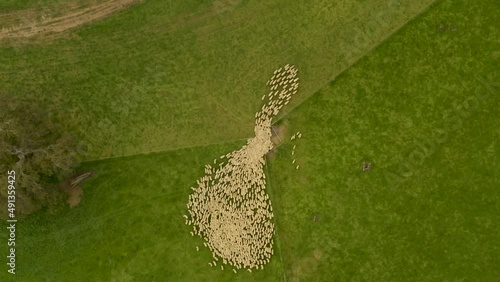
(28, 23)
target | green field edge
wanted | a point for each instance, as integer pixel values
(276, 235)
(165, 151)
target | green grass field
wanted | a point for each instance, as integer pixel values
(421, 104)
(425, 216)
(148, 78)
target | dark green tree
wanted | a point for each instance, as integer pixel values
(40, 152)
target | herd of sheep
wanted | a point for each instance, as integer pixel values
(229, 208)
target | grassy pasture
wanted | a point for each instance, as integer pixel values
(429, 209)
(129, 227)
(435, 221)
(151, 77)
(14, 13)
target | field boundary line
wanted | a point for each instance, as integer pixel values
(167, 150)
(370, 50)
(278, 242)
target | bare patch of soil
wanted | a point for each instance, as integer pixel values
(73, 189)
(74, 195)
(278, 133)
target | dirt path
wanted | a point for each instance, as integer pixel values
(73, 18)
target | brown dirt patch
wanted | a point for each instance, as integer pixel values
(75, 191)
(74, 195)
(278, 133)
(29, 23)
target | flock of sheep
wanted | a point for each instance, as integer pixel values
(229, 208)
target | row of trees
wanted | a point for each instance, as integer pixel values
(40, 152)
